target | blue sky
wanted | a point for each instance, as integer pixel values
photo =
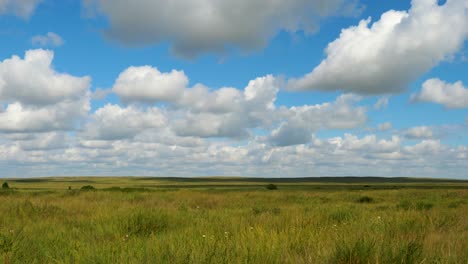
(249, 88)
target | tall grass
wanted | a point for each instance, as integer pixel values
(242, 226)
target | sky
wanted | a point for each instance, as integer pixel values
(258, 88)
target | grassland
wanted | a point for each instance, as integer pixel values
(233, 220)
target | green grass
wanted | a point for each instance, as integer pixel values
(131, 220)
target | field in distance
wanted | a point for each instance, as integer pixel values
(233, 220)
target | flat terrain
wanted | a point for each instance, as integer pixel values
(233, 220)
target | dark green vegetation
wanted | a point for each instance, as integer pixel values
(86, 188)
(218, 220)
(365, 199)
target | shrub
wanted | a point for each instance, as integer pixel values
(88, 188)
(5, 185)
(258, 210)
(365, 199)
(272, 186)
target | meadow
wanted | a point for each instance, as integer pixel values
(233, 220)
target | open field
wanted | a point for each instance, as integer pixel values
(234, 220)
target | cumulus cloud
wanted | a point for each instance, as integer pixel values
(18, 117)
(20, 8)
(425, 148)
(142, 137)
(49, 39)
(194, 27)
(148, 84)
(198, 111)
(212, 125)
(227, 112)
(385, 56)
(44, 101)
(299, 123)
(420, 132)
(233, 113)
(450, 95)
(43, 84)
(223, 100)
(342, 155)
(367, 143)
(113, 122)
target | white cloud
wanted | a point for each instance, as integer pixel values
(367, 143)
(299, 123)
(95, 144)
(233, 113)
(65, 115)
(147, 84)
(197, 111)
(425, 148)
(45, 100)
(450, 95)
(384, 57)
(113, 122)
(143, 139)
(261, 92)
(194, 27)
(49, 39)
(223, 100)
(420, 132)
(227, 112)
(167, 137)
(20, 8)
(338, 156)
(43, 84)
(212, 125)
